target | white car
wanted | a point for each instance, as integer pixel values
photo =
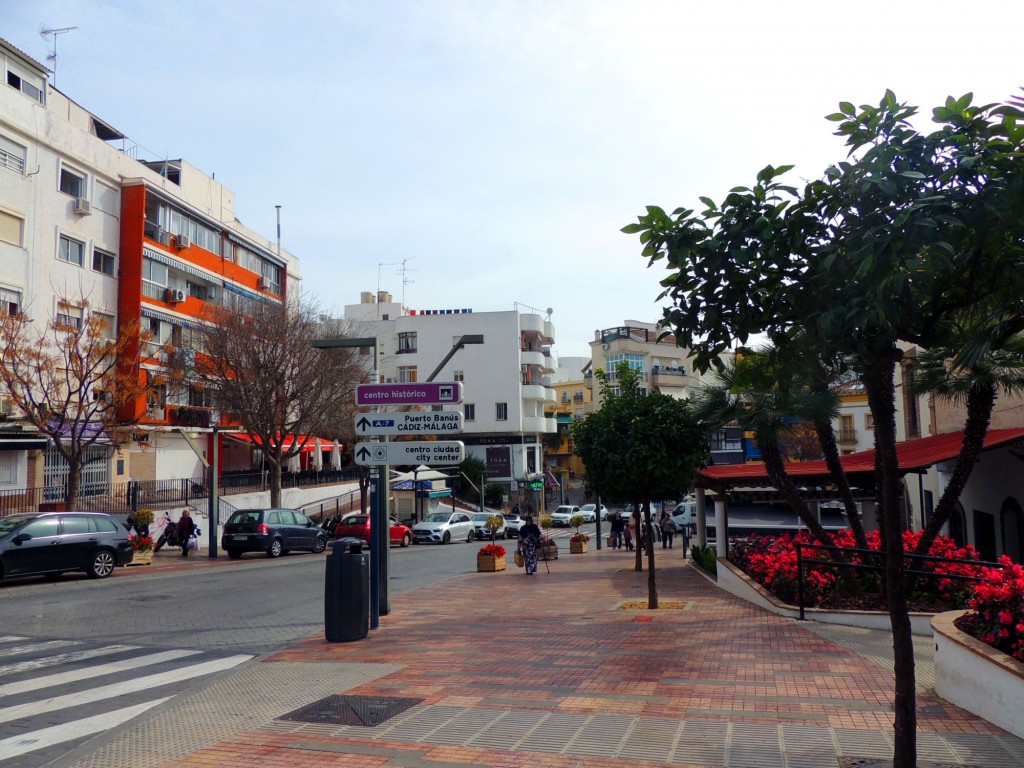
(563, 514)
(480, 525)
(443, 528)
(590, 513)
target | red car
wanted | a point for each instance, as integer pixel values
(358, 526)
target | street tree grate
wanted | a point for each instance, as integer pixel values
(874, 762)
(367, 711)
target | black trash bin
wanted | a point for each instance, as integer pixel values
(347, 592)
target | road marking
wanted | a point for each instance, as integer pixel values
(21, 650)
(64, 658)
(118, 689)
(85, 673)
(10, 638)
(58, 734)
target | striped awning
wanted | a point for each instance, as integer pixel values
(165, 318)
(182, 266)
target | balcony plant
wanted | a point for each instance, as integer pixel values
(490, 558)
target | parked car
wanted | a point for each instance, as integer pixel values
(359, 527)
(513, 522)
(563, 514)
(480, 530)
(444, 527)
(50, 543)
(274, 531)
(590, 513)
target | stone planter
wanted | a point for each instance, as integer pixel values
(547, 553)
(577, 547)
(977, 677)
(490, 563)
(142, 558)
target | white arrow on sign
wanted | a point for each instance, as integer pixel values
(432, 422)
(421, 452)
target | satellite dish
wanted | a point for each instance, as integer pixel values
(550, 310)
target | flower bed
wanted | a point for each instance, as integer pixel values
(997, 616)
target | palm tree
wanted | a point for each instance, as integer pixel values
(756, 392)
(981, 359)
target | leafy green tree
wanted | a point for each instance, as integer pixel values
(640, 446)
(885, 248)
(473, 471)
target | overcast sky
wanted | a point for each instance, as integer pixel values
(497, 148)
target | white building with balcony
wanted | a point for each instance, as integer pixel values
(506, 379)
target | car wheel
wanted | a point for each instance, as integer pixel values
(319, 545)
(102, 564)
(406, 540)
(470, 536)
(447, 538)
(276, 548)
(235, 554)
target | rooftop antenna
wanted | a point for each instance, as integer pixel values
(405, 280)
(46, 34)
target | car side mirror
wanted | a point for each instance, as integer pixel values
(21, 537)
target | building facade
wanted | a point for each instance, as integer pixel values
(90, 227)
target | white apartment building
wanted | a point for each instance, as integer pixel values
(506, 379)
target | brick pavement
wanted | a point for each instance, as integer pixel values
(548, 671)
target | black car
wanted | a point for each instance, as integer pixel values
(50, 543)
(274, 531)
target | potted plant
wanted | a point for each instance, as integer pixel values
(490, 558)
(578, 541)
(140, 520)
(142, 545)
(547, 550)
(493, 524)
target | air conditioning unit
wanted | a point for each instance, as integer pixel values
(174, 296)
(83, 206)
(183, 241)
(263, 283)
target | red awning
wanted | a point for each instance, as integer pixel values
(913, 456)
(310, 446)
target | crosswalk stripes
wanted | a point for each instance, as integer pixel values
(50, 700)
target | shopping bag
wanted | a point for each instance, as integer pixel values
(519, 559)
(193, 543)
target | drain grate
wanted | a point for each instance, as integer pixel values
(351, 710)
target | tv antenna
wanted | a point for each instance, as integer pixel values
(46, 34)
(402, 270)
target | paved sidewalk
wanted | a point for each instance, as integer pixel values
(501, 669)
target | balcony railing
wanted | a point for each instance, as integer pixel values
(846, 435)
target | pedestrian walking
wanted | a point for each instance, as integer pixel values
(618, 526)
(529, 540)
(668, 529)
(627, 533)
(186, 530)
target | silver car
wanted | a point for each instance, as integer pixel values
(563, 514)
(443, 528)
(590, 513)
(480, 526)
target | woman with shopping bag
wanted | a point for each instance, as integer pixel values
(529, 540)
(186, 531)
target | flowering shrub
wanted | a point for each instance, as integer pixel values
(491, 550)
(579, 537)
(771, 561)
(143, 543)
(998, 605)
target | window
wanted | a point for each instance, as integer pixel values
(406, 374)
(8, 467)
(10, 301)
(75, 524)
(869, 421)
(406, 342)
(578, 396)
(199, 291)
(71, 251)
(105, 198)
(469, 409)
(722, 441)
(12, 155)
(459, 376)
(271, 274)
(635, 362)
(72, 183)
(103, 262)
(10, 228)
(105, 322)
(28, 83)
(154, 279)
(565, 396)
(501, 411)
(69, 317)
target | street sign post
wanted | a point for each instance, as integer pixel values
(417, 393)
(427, 423)
(422, 452)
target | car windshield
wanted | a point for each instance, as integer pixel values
(438, 517)
(244, 516)
(8, 524)
(354, 520)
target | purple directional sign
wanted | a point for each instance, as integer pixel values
(428, 393)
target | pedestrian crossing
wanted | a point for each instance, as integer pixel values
(55, 694)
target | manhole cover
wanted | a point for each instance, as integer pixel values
(351, 710)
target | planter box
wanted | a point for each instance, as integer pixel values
(489, 563)
(975, 676)
(142, 558)
(577, 547)
(547, 553)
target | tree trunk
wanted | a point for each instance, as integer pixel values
(74, 482)
(776, 469)
(275, 482)
(652, 587)
(827, 439)
(364, 490)
(979, 413)
(878, 383)
(637, 522)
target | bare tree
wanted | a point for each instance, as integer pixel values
(258, 360)
(73, 381)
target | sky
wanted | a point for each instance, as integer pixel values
(485, 154)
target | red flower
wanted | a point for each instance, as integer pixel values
(492, 550)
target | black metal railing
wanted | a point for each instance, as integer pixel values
(801, 561)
